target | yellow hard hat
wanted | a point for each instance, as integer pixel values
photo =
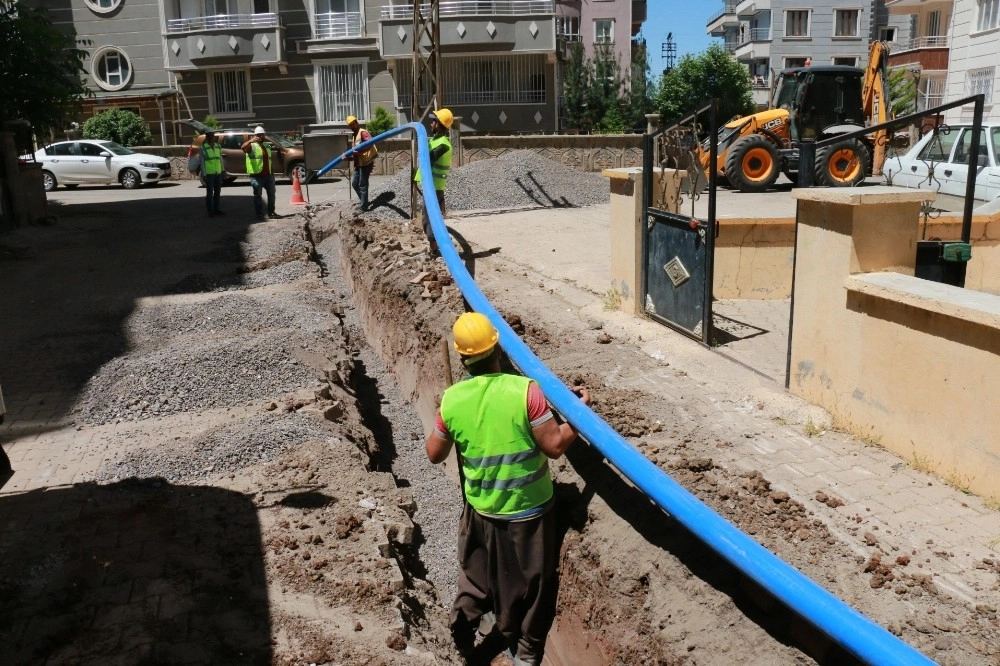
(444, 117)
(351, 119)
(474, 334)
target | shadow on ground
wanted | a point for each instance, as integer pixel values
(139, 572)
(69, 287)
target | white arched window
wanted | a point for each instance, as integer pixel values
(111, 69)
(103, 6)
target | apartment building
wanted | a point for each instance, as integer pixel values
(770, 35)
(924, 52)
(124, 64)
(287, 64)
(973, 58)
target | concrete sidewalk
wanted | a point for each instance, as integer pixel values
(566, 250)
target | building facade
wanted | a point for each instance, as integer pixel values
(768, 36)
(973, 58)
(289, 64)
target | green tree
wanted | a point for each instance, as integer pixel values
(576, 81)
(902, 92)
(121, 126)
(40, 80)
(613, 121)
(605, 83)
(698, 78)
(382, 121)
(639, 101)
(211, 121)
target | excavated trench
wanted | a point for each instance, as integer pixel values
(628, 572)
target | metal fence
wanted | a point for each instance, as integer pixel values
(513, 79)
(222, 21)
(474, 7)
(333, 25)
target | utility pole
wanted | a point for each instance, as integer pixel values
(426, 69)
(669, 53)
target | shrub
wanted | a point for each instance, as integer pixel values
(210, 121)
(123, 127)
(381, 122)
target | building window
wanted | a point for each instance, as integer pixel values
(846, 61)
(604, 31)
(845, 22)
(933, 24)
(230, 92)
(796, 62)
(989, 15)
(513, 79)
(568, 27)
(103, 6)
(220, 7)
(338, 19)
(342, 90)
(112, 69)
(886, 34)
(980, 82)
(797, 23)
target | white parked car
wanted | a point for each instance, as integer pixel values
(947, 151)
(70, 163)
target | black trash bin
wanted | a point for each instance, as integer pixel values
(943, 261)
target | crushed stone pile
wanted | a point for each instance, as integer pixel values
(281, 274)
(193, 375)
(230, 313)
(517, 179)
(260, 438)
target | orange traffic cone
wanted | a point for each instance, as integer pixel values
(297, 199)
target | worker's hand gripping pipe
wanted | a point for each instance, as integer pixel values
(846, 626)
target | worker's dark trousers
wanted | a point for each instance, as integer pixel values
(427, 218)
(509, 568)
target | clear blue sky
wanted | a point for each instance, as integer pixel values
(686, 19)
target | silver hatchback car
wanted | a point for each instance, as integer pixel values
(71, 163)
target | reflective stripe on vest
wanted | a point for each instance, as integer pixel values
(211, 157)
(255, 158)
(440, 167)
(505, 472)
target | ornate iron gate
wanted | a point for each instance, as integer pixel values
(677, 248)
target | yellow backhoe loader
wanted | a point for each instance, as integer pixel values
(809, 103)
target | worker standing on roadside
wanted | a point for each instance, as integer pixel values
(260, 165)
(211, 170)
(505, 434)
(364, 160)
(440, 154)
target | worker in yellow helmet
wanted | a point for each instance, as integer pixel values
(505, 435)
(440, 154)
(364, 160)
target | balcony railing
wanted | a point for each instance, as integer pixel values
(731, 45)
(729, 8)
(474, 7)
(754, 35)
(222, 21)
(339, 24)
(928, 42)
(760, 82)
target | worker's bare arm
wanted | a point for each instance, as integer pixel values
(554, 438)
(437, 447)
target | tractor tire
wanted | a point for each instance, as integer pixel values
(842, 164)
(752, 164)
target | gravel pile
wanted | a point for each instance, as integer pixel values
(199, 283)
(228, 314)
(514, 180)
(257, 439)
(193, 375)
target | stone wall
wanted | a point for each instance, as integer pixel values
(586, 153)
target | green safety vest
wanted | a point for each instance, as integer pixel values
(255, 158)
(441, 167)
(505, 472)
(211, 158)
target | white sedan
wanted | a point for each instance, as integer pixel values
(940, 162)
(70, 163)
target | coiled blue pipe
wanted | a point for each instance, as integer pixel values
(846, 626)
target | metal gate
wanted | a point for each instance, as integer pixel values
(678, 248)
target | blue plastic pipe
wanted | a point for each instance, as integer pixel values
(844, 625)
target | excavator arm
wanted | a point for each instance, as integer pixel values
(875, 100)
